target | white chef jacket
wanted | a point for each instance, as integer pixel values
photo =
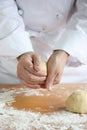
(43, 26)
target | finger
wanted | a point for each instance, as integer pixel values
(34, 65)
(20, 70)
(30, 85)
(57, 79)
(32, 79)
(37, 62)
(28, 77)
(42, 86)
(26, 58)
(55, 82)
(37, 73)
(50, 80)
(28, 64)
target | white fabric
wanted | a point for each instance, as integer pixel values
(74, 38)
(8, 71)
(75, 74)
(13, 37)
(50, 24)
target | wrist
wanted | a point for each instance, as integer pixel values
(23, 55)
(61, 53)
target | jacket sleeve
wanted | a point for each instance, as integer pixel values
(74, 38)
(14, 40)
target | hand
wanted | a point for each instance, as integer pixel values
(55, 67)
(29, 70)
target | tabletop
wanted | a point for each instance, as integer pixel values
(22, 108)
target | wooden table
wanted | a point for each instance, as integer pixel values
(42, 100)
(55, 98)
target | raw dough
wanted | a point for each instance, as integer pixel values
(77, 102)
(44, 67)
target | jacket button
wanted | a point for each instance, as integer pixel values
(57, 16)
(20, 12)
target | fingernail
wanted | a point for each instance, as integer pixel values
(49, 87)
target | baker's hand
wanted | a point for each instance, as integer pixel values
(55, 67)
(29, 70)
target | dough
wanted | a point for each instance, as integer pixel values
(44, 67)
(77, 102)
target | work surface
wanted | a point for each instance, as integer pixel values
(22, 108)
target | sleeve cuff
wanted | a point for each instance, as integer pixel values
(74, 42)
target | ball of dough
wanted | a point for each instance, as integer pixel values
(44, 67)
(77, 102)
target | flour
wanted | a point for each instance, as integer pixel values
(6, 96)
(12, 119)
(26, 91)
